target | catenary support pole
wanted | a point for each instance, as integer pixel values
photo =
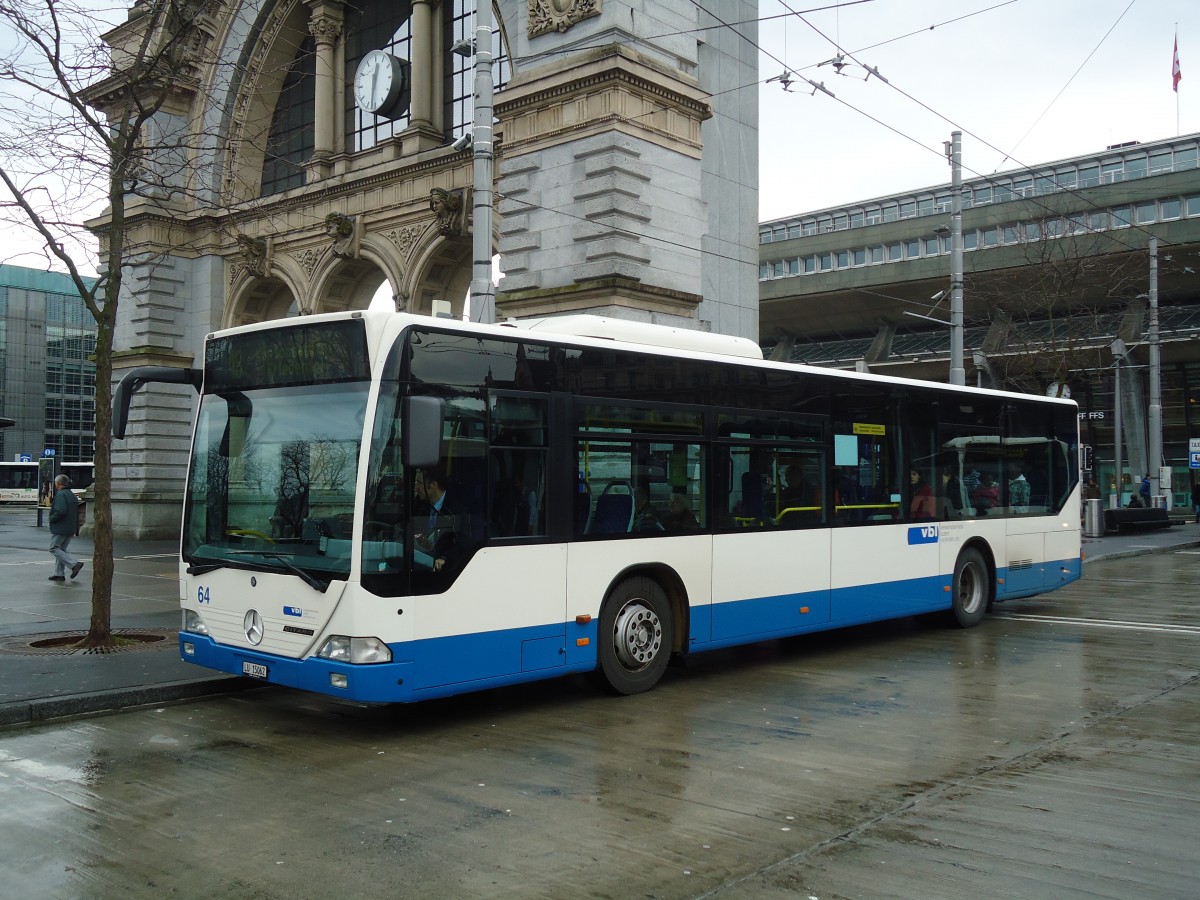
(483, 300)
(958, 374)
(1155, 413)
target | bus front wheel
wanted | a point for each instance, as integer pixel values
(636, 636)
(971, 589)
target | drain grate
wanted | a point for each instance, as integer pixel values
(66, 643)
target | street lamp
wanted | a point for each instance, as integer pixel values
(1119, 352)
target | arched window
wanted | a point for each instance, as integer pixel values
(290, 141)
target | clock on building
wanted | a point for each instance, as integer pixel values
(1059, 389)
(381, 84)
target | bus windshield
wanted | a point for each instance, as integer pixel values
(274, 471)
(275, 455)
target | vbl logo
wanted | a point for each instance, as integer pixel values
(923, 534)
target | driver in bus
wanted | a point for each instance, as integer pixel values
(446, 534)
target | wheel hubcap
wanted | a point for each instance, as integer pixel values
(637, 635)
(970, 590)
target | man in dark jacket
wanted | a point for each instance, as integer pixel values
(63, 525)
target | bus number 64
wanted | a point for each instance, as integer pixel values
(202, 595)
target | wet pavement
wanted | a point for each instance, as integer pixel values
(39, 683)
(44, 684)
(1052, 752)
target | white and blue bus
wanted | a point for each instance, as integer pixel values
(19, 481)
(388, 508)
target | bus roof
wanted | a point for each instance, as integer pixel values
(644, 333)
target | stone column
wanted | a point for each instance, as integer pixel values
(325, 25)
(424, 131)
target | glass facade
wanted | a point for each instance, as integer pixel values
(1180, 384)
(1120, 165)
(47, 377)
(1146, 212)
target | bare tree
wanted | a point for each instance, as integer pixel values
(79, 148)
(1048, 310)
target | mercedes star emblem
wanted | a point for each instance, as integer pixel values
(253, 625)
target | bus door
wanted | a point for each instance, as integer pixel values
(638, 488)
(771, 550)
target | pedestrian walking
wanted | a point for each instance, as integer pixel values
(64, 522)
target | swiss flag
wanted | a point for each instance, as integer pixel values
(1175, 73)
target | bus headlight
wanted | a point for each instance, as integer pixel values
(193, 623)
(356, 650)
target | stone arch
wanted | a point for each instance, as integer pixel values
(345, 284)
(266, 57)
(385, 254)
(259, 299)
(440, 274)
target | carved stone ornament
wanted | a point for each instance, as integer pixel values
(345, 233)
(325, 29)
(559, 15)
(256, 253)
(405, 238)
(450, 208)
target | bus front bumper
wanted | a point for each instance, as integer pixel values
(374, 683)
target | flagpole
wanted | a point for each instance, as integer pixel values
(1176, 76)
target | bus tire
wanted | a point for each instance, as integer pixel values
(636, 634)
(970, 590)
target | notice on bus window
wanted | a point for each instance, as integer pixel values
(868, 428)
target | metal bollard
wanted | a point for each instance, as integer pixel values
(1093, 519)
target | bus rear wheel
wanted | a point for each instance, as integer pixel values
(636, 636)
(971, 589)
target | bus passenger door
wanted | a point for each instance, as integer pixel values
(770, 561)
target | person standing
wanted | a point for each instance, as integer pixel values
(64, 522)
(1196, 500)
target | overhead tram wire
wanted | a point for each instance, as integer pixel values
(1068, 84)
(669, 243)
(988, 178)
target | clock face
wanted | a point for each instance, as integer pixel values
(378, 82)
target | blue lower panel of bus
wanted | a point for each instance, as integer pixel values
(1028, 581)
(422, 669)
(439, 667)
(741, 621)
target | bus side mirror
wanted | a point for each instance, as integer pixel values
(143, 375)
(422, 431)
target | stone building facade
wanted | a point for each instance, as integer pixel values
(625, 177)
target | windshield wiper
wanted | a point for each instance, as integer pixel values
(315, 583)
(202, 568)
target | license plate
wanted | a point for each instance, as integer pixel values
(254, 670)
